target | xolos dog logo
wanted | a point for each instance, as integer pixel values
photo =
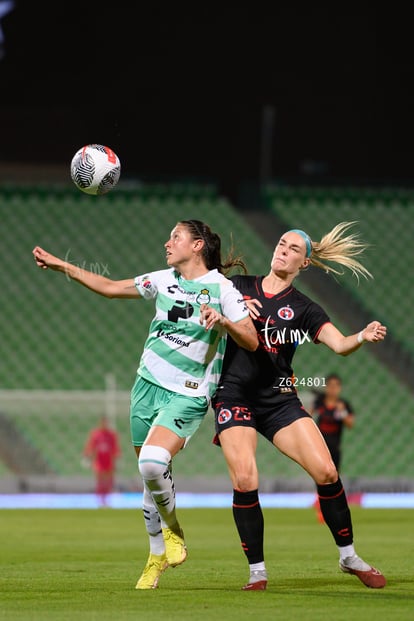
(224, 416)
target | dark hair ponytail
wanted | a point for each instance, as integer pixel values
(211, 252)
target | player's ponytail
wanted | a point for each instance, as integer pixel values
(211, 252)
(336, 247)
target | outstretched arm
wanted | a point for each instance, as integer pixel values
(95, 282)
(242, 332)
(374, 332)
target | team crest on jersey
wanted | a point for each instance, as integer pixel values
(203, 297)
(286, 313)
(224, 416)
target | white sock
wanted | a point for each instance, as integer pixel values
(153, 466)
(354, 561)
(346, 551)
(152, 524)
(257, 566)
(257, 572)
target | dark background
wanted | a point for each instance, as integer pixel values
(181, 91)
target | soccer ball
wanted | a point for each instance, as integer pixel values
(95, 169)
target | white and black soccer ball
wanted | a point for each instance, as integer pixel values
(95, 169)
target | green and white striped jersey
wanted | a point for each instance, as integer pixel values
(179, 354)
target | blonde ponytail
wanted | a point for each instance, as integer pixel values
(334, 247)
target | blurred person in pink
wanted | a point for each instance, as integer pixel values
(102, 449)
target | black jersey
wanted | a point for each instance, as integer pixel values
(328, 421)
(287, 320)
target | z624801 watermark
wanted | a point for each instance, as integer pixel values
(309, 382)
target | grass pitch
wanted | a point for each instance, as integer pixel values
(79, 564)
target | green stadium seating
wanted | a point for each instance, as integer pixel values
(60, 337)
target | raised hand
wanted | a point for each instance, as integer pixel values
(45, 259)
(374, 332)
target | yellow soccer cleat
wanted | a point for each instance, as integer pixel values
(175, 548)
(152, 571)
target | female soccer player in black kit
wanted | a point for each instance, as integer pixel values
(332, 413)
(257, 394)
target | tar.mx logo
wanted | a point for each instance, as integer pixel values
(96, 267)
(281, 336)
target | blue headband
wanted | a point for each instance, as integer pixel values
(307, 239)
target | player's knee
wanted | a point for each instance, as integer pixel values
(153, 462)
(326, 474)
(245, 479)
(245, 485)
(150, 470)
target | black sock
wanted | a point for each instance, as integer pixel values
(335, 511)
(248, 516)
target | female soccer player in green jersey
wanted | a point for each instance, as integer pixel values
(196, 306)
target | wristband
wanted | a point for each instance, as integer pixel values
(360, 338)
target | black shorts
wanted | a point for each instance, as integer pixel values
(268, 412)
